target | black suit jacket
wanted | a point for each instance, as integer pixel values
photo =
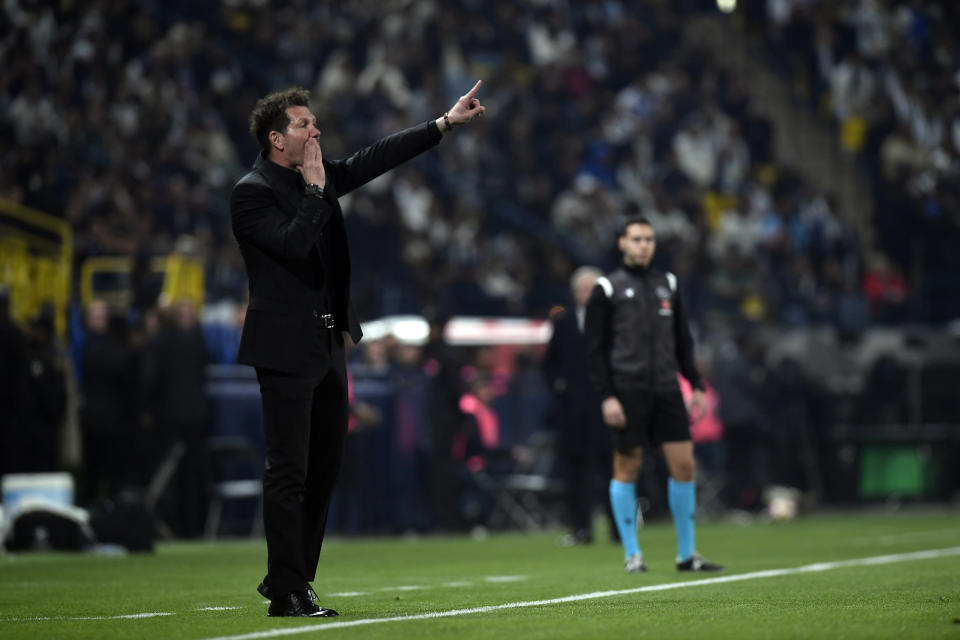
(296, 254)
(566, 360)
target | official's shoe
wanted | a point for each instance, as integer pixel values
(635, 564)
(299, 604)
(697, 563)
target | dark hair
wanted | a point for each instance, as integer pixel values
(632, 220)
(270, 113)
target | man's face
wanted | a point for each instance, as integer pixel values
(291, 141)
(582, 288)
(637, 245)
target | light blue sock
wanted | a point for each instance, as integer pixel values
(623, 499)
(682, 497)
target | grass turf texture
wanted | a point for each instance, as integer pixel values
(911, 599)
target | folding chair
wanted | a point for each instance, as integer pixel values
(528, 499)
(230, 457)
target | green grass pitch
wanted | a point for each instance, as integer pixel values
(207, 590)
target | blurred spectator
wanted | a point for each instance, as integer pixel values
(477, 442)
(443, 371)
(14, 395)
(413, 446)
(794, 438)
(173, 391)
(885, 289)
(48, 394)
(108, 409)
(739, 382)
(584, 441)
(369, 481)
(477, 447)
(587, 212)
(706, 430)
(345, 511)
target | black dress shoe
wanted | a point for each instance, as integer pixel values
(264, 590)
(299, 604)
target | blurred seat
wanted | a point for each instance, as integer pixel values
(530, 498)
(940, 402)
(159, 481)
(235, 467)
(883, 399)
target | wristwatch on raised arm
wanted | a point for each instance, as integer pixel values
(313, 190)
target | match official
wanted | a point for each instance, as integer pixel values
(637, 338)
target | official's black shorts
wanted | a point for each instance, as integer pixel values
(653, 417)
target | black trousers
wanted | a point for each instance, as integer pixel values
(586, 447)
(305, 432)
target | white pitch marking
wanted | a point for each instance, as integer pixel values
(404, 587)
(217, 608)
(504, 578)
(129, 616)
(455, 584)
(770, 573)
(347, 594)
(914, 536)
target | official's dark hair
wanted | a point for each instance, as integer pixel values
(270, 113)
(632, 220)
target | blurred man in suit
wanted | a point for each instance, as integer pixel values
(584, 441)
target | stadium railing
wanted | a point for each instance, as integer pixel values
(36, 259)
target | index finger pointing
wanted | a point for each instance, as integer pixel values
(473, 91)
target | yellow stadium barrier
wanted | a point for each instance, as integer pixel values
(36, 262)
(36, 257)
(182, 279)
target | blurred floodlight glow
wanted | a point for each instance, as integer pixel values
(410, 330)
(727, 6)
(406, 329)
(375, 330)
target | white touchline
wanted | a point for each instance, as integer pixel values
(504, 578)
(913, 536)
(770, 573)
(129, 616)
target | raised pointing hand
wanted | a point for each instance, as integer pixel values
(467, 107)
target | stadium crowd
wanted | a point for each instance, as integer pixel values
(886, 75)
(129, 120)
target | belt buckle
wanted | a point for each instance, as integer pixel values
(327, 320)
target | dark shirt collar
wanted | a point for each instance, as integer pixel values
(280, 176)
(637, 271)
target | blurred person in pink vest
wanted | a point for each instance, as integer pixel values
(706, 428)
(477, 447)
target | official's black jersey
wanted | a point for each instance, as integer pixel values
(637, 334)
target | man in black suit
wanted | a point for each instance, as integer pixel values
(584, 441)
(290, 228)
